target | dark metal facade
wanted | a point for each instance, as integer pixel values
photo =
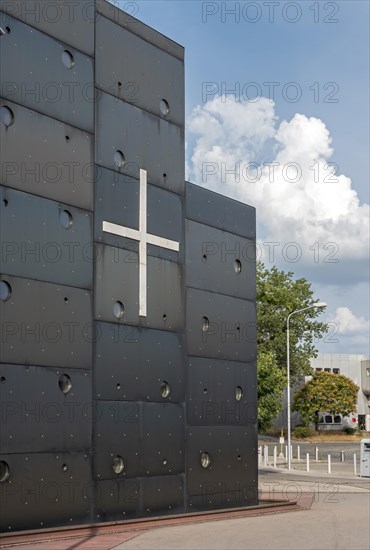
(106, 414)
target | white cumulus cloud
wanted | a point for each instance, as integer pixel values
(348, 323)
(284, 170)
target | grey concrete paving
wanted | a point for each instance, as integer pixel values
(338, 518)
(343, 524)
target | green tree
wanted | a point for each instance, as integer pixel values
(278, 294)
(326, 392)
(271, 384)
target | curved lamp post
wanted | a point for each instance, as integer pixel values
(319, 305)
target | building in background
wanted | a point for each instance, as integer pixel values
(357, 368)
(354, 366)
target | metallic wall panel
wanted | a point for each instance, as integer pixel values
(148, 437)
(46, 324)
(218, 211)
(45, 490)
(220, 262)
(232, 326)
(121, 127)
(246, 494)
(117, 280)
(163, 447)
(130, 75)
(117, 499)
(117, 201)
(59, 166)
(36, 245)
(132, 363)
(37, 416)
(161, 495)
(140, 497)
(117, 433)
(36, 76)
(221, 392)
(127, 21)
(233, 458)
(70, 22)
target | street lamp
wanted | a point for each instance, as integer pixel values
(319, 305)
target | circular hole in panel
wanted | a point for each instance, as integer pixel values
(119, 84)
(119, 159)
(5, 202)
(6, 116)
(205, 460)
(66, 299)
(204, 257)
(239, 457)
(164, 462)
(118, 464)
(205, 324)
(67, 59)
(164, 317)
(238, 393)
(118, 310)
(3, 379)
(205, 391)
(66, 219)
(165, 389)
(67, 138)
(237, 266)
(4, 471)
(164, 107)
(7, 30)
(64, 467)
(5, 291)
(118, 386)
(65, 383)
(164, 176)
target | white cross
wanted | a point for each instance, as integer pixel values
(143, 238)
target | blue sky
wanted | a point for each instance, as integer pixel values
(326, 54)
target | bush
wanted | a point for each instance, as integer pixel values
(349, 431)
(301, 432)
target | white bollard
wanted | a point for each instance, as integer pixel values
(329, 464)
(307, 462)
(286, 452)
(266, 456)
(260, 455)
(275, 456)
(316, 454)
(298, 452)
(354, 465)
(291, 452)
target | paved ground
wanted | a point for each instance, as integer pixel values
(340, 525)
(338, 517)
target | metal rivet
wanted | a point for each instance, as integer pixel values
(65, 383)
(118, 464)
(118, 310)
(119, 159)
(4, 471)
(67, 59)
(164, 107)
(205, 460)
(66, 219)
(5, 291)
(6, 116)
(237, 266)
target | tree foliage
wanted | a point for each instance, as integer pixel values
(271, 384)
(278, 294)
(326, 392)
